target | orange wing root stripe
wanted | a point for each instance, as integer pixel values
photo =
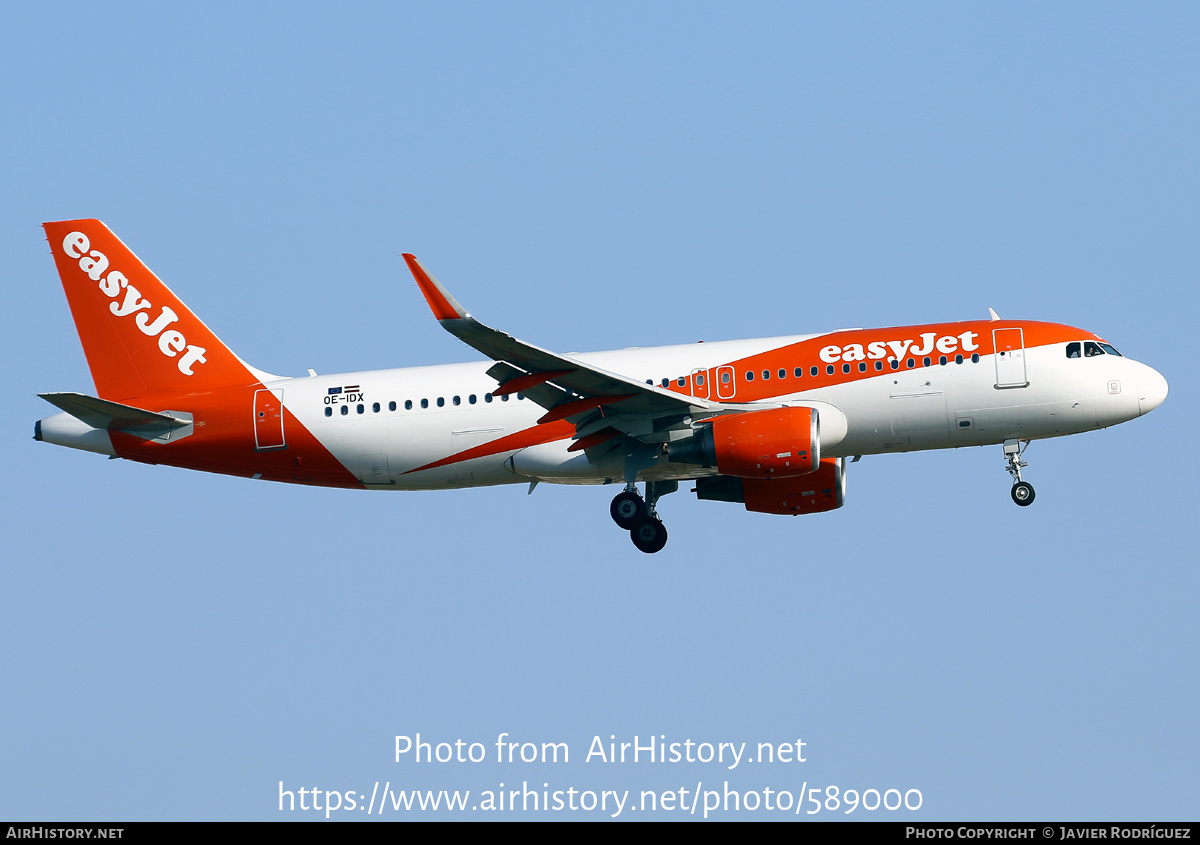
(508, 443)
(570, 409)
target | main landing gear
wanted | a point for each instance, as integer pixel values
(1022, 491)
(638, 516)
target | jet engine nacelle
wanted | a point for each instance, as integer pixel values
(817, 492)
(773, 443)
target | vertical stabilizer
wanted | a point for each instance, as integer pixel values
(139, 338)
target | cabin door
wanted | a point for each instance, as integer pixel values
(1010, 358)
(268, 420)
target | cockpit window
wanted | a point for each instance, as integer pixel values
(1091, 350)
(1073, 349)
(1107, 347)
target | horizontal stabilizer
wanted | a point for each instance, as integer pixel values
(112, 416)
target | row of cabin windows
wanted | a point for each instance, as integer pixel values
(1089, 349)
(472, 399)
(830, 369)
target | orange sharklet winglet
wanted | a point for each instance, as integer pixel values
(578, 406)
(443, 305)
(527, 381)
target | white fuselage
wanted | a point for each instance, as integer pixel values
(442, 411)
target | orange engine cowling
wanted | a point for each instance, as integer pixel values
(773, 443)
(817, 492)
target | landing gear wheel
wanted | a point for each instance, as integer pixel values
(627, 510)
(1022, 493)
(649, 535)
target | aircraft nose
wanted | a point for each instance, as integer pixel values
(1152, 390)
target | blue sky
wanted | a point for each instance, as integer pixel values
(591, 177)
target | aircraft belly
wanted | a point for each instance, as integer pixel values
(372, 470)
(477, 472)
(918, 420)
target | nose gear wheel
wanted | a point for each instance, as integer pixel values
(1022, 491)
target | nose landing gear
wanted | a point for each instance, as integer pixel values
(638, 516)
(1022, 491)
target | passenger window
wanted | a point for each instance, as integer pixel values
(441, 401)
(361, 409)
(1073, 350)
(487, 397)
(878, 365)
(926, 362)
(328, 411)
(813, 371)
(391, 406)
(766, 375)
(424, 403)
(942, 360)
(958, 359)
(408, 404)
(783, 373)
(457, 400)
(471, 398)
(504, 398)
(345, 410)
(1091, 350)
(375, 408)
(681, 381)
(845, 368)
(895, 364)
(862, 367)
(829, 370)
(799, 372)
(749, 375)
(666, 382)
(910, 363)
(974, 357)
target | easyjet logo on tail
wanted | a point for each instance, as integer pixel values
(128, 301)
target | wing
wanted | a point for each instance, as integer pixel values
(594, 400)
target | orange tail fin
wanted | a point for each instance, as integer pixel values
(137, 336)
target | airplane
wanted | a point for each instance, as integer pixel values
(766, 423)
